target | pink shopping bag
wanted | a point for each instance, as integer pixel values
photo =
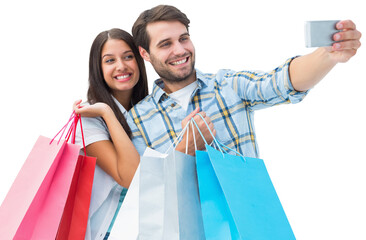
(34, 205)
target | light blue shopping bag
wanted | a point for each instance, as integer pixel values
(238, 199)
(217, 219)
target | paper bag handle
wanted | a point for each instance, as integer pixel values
(218, 143)
(71, 131)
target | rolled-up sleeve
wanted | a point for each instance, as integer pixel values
(94, 130)
(264, 89)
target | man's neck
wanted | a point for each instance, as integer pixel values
(170, 87)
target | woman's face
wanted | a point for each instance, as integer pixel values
(119, 66)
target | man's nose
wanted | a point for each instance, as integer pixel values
(179, 49)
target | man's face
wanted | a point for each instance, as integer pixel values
(172, 52)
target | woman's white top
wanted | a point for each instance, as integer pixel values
(107, 194)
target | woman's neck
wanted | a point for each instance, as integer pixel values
(124, 98)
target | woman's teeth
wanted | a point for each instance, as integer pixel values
(122, 77)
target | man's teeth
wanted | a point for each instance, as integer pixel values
(180, 62)
(123, 76)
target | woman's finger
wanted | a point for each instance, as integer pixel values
(76, 104)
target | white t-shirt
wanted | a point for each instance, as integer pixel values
(184, 95)
(106, 192)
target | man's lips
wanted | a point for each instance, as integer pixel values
(179, 61)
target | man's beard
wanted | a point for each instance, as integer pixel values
(167, 75)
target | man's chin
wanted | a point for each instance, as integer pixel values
(175, 75)
(181, 77)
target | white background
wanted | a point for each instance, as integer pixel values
(314, 151)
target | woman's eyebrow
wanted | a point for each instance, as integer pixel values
(109, 54)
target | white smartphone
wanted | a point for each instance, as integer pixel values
(320, 33)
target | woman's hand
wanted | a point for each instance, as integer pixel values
(117, 157)
(95, 110)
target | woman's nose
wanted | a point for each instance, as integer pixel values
(121, 65)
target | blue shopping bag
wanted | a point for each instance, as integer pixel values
(217, 219)
(238, 199)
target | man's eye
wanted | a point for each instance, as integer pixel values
(184, 38)
(166, 44)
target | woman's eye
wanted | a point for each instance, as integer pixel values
(129, 57)
(109, 60)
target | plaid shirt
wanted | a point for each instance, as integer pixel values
(229, 98)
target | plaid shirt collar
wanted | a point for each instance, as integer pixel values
(159, 94)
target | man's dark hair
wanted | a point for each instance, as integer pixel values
(155, 14)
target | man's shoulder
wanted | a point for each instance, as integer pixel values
(218, 76)
(145, 106)
(221, 77)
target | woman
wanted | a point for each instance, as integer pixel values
(117, 80)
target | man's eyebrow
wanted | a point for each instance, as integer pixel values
(167, 39)
(161, 41)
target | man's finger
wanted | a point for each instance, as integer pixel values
(345, 24)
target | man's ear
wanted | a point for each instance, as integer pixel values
(144, 54)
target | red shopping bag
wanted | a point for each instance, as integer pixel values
(75, 216)
(35, 203)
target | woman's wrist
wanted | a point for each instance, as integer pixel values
(107, 112)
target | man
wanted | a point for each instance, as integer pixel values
(227, 97)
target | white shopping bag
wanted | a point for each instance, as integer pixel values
(189, 207)
(126, 225)
(162, 201)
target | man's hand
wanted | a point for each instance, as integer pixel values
(200, 143)
(306, 71)
(349, 39)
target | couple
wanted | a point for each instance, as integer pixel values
(227, 99)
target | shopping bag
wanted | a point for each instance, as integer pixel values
(162, 201)
(34, 205)
(75, 215)
(169, 204)
(216, 215)
(245, 195)
(126, 225)
(238, 199)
